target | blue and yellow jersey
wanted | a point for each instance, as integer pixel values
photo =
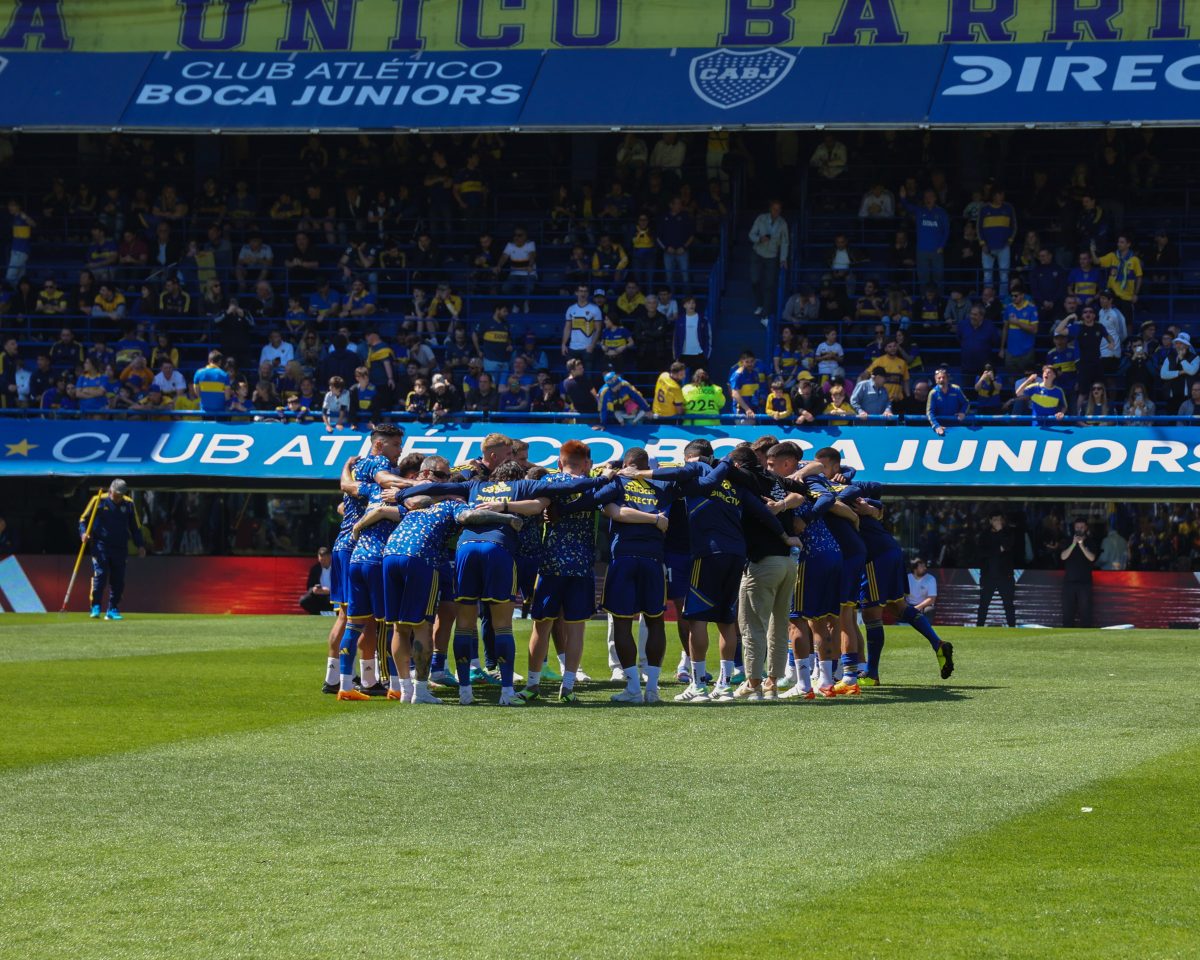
(896, 373)
(1123, 273)
(211, 383)
(1085, 284)
(868, 308)
(615, 338)
(714, 508)
(378, 354)
(427, 534)
(494, 338)
(746, 384)
(114, 525)
(94, 404)
(1046, 401)
(789, 361)
(568, 547)
(370, 545)
(619, 397)
(645, 496)
(1065, 362)
(668, 396)
(22, 233)
(470, 182)
(1020, 342)
(778, 406)
(366, 398)
(929, 311)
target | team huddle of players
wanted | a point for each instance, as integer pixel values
(780, 554)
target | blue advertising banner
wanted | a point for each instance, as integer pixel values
(1077, 83)
(57, 90)
(348, 91)
(858, 86)
(1134, 459)
(956, 85)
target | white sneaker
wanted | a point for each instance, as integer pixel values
(652, 696)
(793, 693)
(510, 699)
(721, 693)
(695, 693)
(466, 696)
(443, 678)
(424, 696)
(789, 678)
(746, 692)
(628, 696)
(618, 675)
(581, 677)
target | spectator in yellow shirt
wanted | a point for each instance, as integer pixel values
(895, 370)
(779, 404)
(668, 392)
(838, 404)
(1124, 275)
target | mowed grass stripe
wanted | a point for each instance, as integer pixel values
(552, 832)
(74, 636)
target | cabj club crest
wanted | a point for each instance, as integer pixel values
(731, 78)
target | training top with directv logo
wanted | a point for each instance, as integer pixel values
(715, 508)
(427, 534)
(370, 545)
(646, 496)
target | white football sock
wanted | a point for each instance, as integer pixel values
(633, 679)
(535, 677)
(652, 674)
(331, 670)
(568, 681)
(370, 672)
(699, 669)
(727, 671)
(827, 673)
(395, 683)
(562, 662)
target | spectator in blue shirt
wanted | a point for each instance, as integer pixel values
(212, 384)
(1046, 400)
(1064, 358)
(1047, 284)
(619, 400)
(676, 233)
(745, 386)
(996, 227)
(946, 401)
(1020, 331)
(933, 230)
(870, 397)
(978, 341)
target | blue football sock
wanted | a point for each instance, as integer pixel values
(438, 662)
(849, 667)
(489, 637)
(791, 661)
(466, 645)
(506, 653)
(874, 648)
(737, 655)
(348, 650)
(392, 671)
(919, 622)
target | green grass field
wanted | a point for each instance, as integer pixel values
(176, 786)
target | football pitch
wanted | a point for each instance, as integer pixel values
(177, 786)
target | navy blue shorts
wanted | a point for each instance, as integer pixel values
(527, 572)
(365, 597)
(410, 590)
(713, 588)
(485, 572)
(884, 579)
(556, 595)
(339, 570)
(853, 566)
(447, 583)
(818, 580)
(679, 566)
(634, 586)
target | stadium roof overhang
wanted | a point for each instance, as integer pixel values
(1045, 85)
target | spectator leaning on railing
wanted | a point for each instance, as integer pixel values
(946, 402)
(871, 397)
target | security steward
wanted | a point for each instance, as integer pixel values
(116, 521)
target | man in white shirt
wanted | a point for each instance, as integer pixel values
(520, 256)
(769, 234)
(582, 328)
(922, 588)
(169, 380)
(278, 352)
(1114, 322)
